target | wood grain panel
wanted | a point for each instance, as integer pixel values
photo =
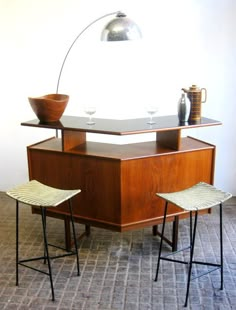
(142, 179)
(117, 193)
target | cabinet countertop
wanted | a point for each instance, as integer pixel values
(121, 127)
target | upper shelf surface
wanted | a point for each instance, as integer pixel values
(121, 127)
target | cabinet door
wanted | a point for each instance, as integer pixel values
(98, 179)
(143, 178)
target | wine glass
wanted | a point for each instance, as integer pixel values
(90, 111)
(151, 110)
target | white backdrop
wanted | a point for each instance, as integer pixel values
(184, 42)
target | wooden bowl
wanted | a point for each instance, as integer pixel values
(49, 108)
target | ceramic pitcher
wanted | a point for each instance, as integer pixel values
(196, 96)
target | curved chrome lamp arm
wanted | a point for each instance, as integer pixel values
(89, 25)
(114, 31)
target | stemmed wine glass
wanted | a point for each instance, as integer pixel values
(90, 111)
(152, 110)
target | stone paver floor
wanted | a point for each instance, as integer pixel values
(117, 269)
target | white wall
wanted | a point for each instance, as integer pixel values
(184, 42)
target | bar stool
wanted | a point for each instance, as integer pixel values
(198, 197)
(39, 195)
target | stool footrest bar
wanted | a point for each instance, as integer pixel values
(58, 247)
(30, 259)
(35, 269)
(204, 273)
(187, 262)
(206, 263)
(44, 257)
(175, 252)
(174, 260)
(62, 255)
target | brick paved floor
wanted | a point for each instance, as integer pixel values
(117, 269)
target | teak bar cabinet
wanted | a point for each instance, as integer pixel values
(118, 182)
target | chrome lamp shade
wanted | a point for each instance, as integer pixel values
(121, 28)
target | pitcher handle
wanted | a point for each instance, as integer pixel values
(205, 94)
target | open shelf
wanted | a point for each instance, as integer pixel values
(167, 128)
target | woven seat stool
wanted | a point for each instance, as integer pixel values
(36, 194)
(198, 197)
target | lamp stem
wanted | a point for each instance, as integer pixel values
(93, 22)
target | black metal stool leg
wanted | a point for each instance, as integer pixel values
(191, 228)
(162, 234)
(46, 250)
(74, 235)
(192, 243)
(221, 248)
(175, 233)
(17, 242)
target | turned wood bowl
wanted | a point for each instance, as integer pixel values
(49, 108)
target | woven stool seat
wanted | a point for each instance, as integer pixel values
(198, 197)
(38, 194)
(194, 199)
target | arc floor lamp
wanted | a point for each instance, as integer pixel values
(120, 28)
(49, 108)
